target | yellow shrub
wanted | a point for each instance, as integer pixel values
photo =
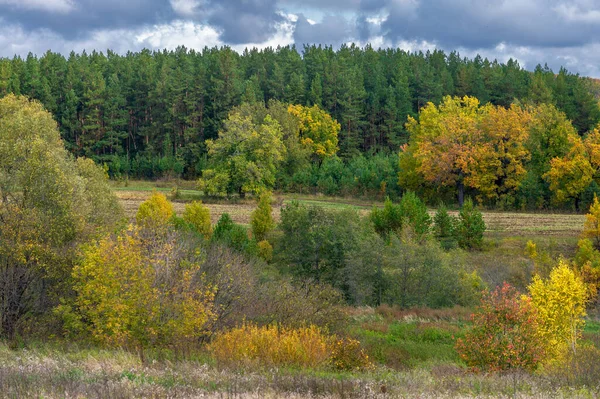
(265, 250)
(156, 212)
(272, 346)
(198, 216)
(347, 354)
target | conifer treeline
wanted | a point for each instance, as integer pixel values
(149, 113)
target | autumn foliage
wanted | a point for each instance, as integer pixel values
(139, 294)
(318, 130)
(560, 302)
(274, 345)
(504, 334)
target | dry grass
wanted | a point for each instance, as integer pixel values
(501, 224)
(239, 212)
(72, 373)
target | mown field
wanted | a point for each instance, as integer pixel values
(504, 224)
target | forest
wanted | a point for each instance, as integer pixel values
(349, 223)
(148, 114)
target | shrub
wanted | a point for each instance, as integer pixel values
(414, 212)
(156, 212)
(233, 235)
(579, 368)
(140, 293)
(347, 354)
(198, 216)
(265, 250)
(504, 334)
(261, 220)
(298, 304)
(266, 346)
(470, 226)
(444, 227)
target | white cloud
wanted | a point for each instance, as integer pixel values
(178, 33)
(58, 6)
(185, 8)
(575, 13)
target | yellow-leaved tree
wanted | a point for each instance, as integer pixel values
(591, 226)
(156, 212)
(570, 175)
(318, 130)
(138, 293)
(198, 216)
(560, 302)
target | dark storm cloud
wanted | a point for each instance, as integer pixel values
(560, 32)
(486, 23)
(238, 21)
(243, 21)
(333, 30)
(84, 16)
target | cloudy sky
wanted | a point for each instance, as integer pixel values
(557, 32)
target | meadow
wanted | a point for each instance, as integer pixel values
(412, 350)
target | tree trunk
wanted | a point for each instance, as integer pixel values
(461, 191)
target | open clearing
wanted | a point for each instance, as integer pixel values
(503, 224)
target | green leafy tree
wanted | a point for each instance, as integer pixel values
(387, 220)
(445, 227)
(244, 158)
(233, 235)
(49, 204)
(415, 213)
(261, 219)
(317, 241)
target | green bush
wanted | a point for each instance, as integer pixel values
(261, 219)
(445, 227)
(233, 235)
(470, 227)
(198, 216)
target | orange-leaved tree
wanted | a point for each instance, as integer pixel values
(462, 144)
(504, 334)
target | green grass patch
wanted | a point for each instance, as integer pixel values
(408, 344)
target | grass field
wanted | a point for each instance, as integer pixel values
(499, 224)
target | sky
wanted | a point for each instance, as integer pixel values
(556, 32)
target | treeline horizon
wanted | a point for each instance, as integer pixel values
(148, 114)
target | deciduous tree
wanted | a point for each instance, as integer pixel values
(560, 302)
